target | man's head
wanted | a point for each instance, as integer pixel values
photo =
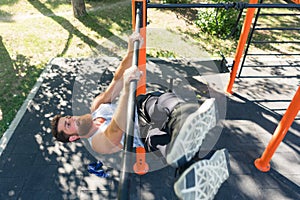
(71, 128)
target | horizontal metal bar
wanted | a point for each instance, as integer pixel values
(279, 14)
(269, 66)
(275, 76)
(273, 54)
(221, 5)
(279, 29)
(275, 42)
(198, 5)
(279, 109)
(270, 100)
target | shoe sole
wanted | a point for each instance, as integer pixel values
(203, 179)
(192, 133)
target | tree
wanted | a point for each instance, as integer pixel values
(78, 8)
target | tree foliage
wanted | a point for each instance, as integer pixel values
(219, 21)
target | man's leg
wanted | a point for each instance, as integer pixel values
(157, 140)
(154, 112)
(160, 108)
(203, 179)
(189, 125)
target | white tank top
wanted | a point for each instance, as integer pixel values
(106, 111)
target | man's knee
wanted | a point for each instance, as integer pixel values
(156, 137)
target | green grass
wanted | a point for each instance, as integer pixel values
(214, 44)
(35, 31)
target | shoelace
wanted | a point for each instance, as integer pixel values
(96, 168)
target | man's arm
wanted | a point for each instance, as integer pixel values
(115, 86)
(109, 141)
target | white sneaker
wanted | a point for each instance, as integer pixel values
(203, 179)
(186, 143)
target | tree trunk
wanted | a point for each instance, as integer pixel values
(78, 8)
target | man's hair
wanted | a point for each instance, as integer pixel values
(59, 135)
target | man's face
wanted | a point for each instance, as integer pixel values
(84, 124)
(67, 124)
(75, 125)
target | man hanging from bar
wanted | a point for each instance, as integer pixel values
(165, 124)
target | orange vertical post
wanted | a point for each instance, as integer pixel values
(263, 163)
(140, 167)
(141, 88)
(241, 45)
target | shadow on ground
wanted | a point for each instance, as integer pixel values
(34, 166)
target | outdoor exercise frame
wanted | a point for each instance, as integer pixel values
(139, 21)
(293, 109)
(263, 163)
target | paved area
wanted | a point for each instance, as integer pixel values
(33, 166)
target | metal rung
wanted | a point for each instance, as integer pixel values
(279, 29)
(278, 109)
(278, 76)
(276, 42)
(279, 14)
(273, 54)
(266, 66)
(270, 100)
(220, 5)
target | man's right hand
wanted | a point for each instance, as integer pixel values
(132, 38)
(131, 74)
